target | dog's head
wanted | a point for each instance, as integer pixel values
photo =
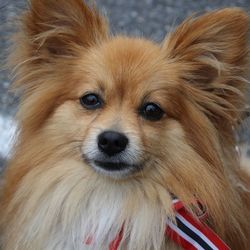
(128, 109)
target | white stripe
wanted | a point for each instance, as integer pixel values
(175, 200)
(195, 230)
(185, 236)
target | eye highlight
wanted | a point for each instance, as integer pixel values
(151, 111)
(91, 101)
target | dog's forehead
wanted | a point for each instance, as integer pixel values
(131, 59)
(128, 62)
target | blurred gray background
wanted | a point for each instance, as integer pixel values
(150, 18)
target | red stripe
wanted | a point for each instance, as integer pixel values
(173, 235)
(116, 242)
(204, 230)
(177, 204)
(89, 240)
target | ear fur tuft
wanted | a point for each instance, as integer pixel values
(58, 25)
(211, 52)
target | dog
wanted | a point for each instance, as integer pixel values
(113, 129)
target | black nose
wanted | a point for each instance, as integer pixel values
(112, 143)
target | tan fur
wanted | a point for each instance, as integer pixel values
(53, 199)
(244, 158)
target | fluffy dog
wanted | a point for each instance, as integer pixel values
(110, 127)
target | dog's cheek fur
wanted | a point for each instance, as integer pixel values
(211, 53)
(179, 164)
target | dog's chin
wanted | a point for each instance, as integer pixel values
(114, 169)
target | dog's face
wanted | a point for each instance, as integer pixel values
(124, 111)
(115, 141)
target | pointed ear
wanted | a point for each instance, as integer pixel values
(211, 53)
(58, 27)
(53, 35)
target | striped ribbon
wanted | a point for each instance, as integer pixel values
(188, 232)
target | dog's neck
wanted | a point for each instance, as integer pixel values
(75, 206)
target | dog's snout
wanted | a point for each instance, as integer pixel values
(112, 143)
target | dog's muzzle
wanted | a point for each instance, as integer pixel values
(113, 154)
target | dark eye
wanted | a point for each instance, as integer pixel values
(91, 101)
(151, 111)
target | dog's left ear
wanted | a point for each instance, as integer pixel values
(211, 53)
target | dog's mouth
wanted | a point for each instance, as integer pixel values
(113, 166)
(115, 169)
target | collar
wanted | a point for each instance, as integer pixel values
(189, 231)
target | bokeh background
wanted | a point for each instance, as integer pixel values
(150, 18)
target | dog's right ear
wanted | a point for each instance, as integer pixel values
(60, 27)
(53, 37)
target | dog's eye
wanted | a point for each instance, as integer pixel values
(151, 111)
(91, 101)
